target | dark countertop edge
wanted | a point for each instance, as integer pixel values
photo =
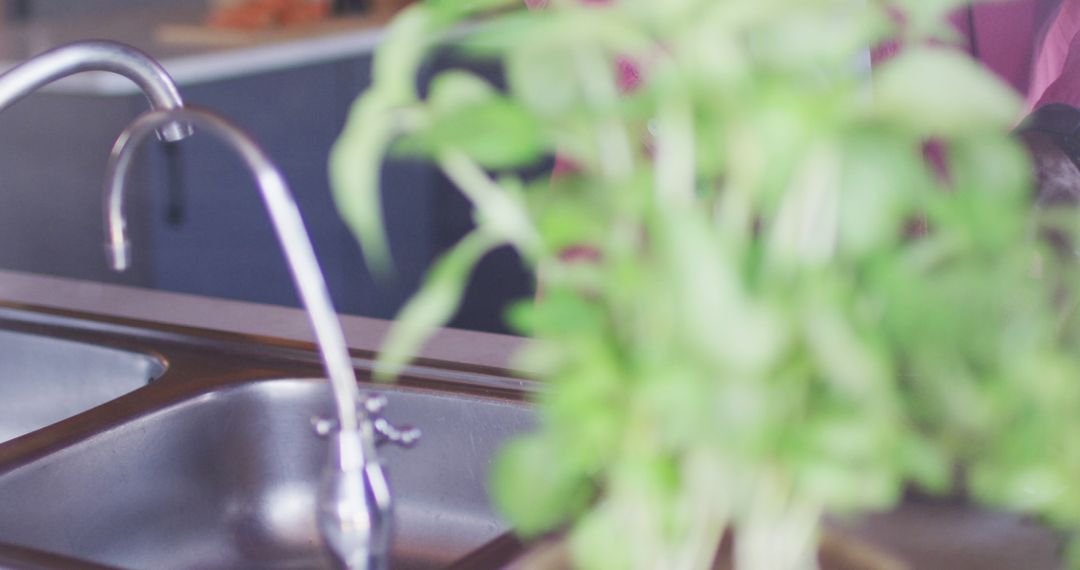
(450, 345)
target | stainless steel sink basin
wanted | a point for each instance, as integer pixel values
(215, 463)
(44, 380)
(227, 479)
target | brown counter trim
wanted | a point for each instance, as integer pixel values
(489, 352)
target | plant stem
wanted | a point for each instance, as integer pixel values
(676, 170)
(506, 217)
(601, 92)
(781, 531)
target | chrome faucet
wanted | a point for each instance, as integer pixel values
(354, 502)
(97, 55)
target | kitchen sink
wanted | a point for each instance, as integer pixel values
(227, 479)
(44, 380)
(215, 463)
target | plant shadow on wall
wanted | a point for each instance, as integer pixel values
(760, 336)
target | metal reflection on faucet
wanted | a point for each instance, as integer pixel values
(354, 505)
(97, 55)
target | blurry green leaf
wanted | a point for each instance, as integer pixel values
(672, 13)
(497, 37)
(567, 217)
(355, 164)
(434, 305)
(996, 165)
(1026, 489)
(586, 406)
(500, 207)
(882, 180)
(452, 91)
(937, 92)
(766, 144)
(809, 36)
(497, 133)
(595, 534)
(521, 316)
(806, 226)
(847, 489)
(453, 10)
(714, 312)
(927, 464)
(532, 489)
(847, 439)
(537, 76)
(849, 363)
(679, 399)
(562, 313)
(467, 114)
(396, 63)
(373, 122)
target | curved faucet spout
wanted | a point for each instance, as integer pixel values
(354, 511)
(287, 223)
(97, 55)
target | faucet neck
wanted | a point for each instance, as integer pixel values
(98, 55)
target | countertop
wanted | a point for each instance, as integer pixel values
(491, 351)
(188, 62)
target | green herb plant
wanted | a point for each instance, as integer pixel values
(791, 310)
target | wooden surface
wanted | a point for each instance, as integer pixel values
(478, 351)
(838, 552)
(202, 34)
(920, 534)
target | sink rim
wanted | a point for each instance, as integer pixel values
(133, 334)
(158, 362)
